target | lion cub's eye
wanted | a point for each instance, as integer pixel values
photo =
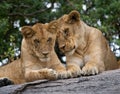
(36, 41)
(66, 32)
(49, 40)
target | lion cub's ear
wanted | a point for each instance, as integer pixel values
(27, 31)
(73, 17)
(53, 27)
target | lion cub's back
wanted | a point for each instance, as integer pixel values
(14, 71)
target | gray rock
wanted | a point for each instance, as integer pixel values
(107, 82)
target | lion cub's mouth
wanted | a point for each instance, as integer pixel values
(45, 59)
(67, 50)
(70, 52)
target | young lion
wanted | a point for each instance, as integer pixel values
(86, 49)
(38, 58)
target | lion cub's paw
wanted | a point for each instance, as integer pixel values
(90, 69)
(62, 75)
(51, 74)
(74, 71)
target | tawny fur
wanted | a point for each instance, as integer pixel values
(86, 49)
(38, 58)
(119, 63)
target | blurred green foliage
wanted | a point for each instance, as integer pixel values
(103, 14)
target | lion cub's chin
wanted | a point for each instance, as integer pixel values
(44, 59)
(70, 52)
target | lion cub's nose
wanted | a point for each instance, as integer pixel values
(45, 53)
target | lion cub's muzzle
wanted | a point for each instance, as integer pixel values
(66, 49)
(45, 56)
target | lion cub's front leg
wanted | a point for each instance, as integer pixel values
(92, 68)
(32, 75)
(73, 70)
(73, 65)
(61, 71)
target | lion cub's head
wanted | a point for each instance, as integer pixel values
(40, 39)
(68, 32)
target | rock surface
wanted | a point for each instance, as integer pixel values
(105, 83)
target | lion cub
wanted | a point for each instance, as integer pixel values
(38, 58)
(86, 49)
